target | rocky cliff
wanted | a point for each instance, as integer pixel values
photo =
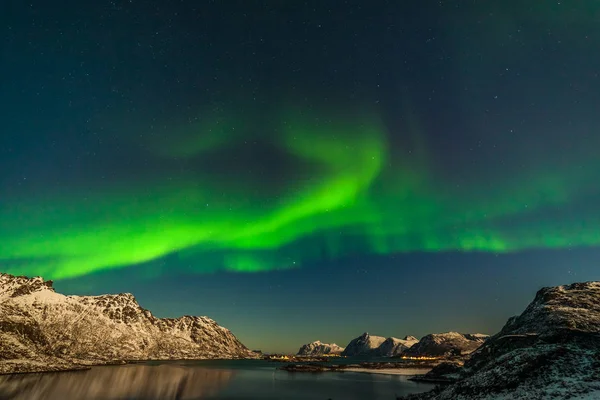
(43, 330)
(317, 348)
(552, 350)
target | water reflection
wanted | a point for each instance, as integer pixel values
(122, 382)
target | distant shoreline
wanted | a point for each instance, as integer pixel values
(407, 370)
(386, 368)
(389, 371)
(77, 367)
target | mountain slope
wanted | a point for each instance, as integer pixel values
(44, 330)
(552, 350)
(317, 348)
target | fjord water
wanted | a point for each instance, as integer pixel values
(232, 380)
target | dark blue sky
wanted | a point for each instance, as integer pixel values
(303, 170)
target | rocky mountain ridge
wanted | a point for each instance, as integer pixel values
(44, 330)
(378, 346)
(432, 345)
(551, 350)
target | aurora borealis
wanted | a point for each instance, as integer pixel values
(342, 191)
(246, 140)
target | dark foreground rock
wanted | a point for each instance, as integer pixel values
(550, 351)
(41, 330)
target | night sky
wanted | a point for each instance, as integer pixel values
(303, 170)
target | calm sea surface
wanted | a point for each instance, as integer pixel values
(232, 380)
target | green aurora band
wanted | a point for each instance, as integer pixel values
(350, 194)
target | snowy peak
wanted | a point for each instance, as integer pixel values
(318, 348)
(448, 343)
(365, 344)
(369, 345)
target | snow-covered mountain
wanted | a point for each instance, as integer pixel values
(378, 346)
(317, 348)
(550, 351)
(393, 346)
(448, 343)
(363, 345)
(44, 330)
